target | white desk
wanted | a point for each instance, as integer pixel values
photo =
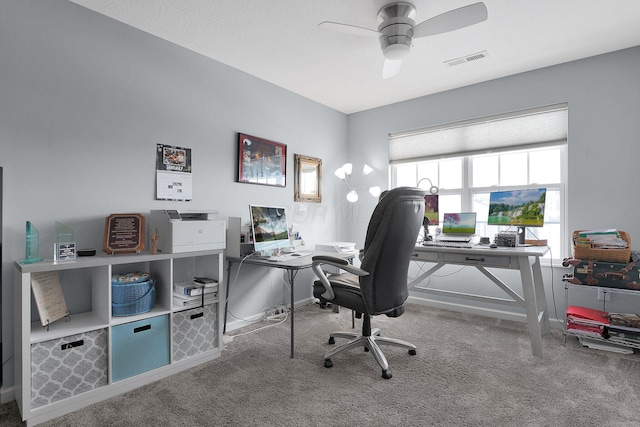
(525, 259)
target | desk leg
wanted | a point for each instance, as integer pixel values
(540, 296)
(415, 282)
(292, 276)
(531, 305)
(226, 298)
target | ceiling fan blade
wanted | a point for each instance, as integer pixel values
(391, 68)
(349, 29)
(452, 20)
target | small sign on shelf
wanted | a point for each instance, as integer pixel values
(123, 234)
(49, 298)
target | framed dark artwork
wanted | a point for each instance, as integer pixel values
(261, 161)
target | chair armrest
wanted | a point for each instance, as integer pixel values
(343, 264)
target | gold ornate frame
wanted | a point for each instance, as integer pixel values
(307, 183)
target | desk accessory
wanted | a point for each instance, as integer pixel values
(86, 252)
(32, 245)
(65, 245)
(507, 239)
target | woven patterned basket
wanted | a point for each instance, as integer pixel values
(612, 255)
(132, 293)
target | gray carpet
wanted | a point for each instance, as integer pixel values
(469, 371)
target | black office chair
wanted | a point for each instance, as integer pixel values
(379, 285)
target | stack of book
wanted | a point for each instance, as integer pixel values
(586, 321)
(199, 291)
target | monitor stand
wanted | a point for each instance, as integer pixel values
(522, 231)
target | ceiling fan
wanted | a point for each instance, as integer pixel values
(397, 29)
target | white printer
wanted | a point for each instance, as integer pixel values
(187, 231)
(340, 247)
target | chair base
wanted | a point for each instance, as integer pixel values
(371, 343)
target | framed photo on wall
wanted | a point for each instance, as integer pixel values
(307, 179)
(261, 161)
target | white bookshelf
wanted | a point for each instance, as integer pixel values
(88, 327)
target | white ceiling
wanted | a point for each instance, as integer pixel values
(279, 41)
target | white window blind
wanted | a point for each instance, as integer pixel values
(533, 127)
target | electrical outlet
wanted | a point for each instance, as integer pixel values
(603, 295)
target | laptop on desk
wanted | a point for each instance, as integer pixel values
(458, 227)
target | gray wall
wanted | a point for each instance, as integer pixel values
(83, 102)
(603, 94)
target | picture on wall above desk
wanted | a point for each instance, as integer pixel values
(173, 173)
(307, 179)
(261, 161)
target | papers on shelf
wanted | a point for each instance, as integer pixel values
(602, 239)
(194, 301)
(193, 288)
(190, 294)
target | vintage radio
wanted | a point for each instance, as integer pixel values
(507, 239)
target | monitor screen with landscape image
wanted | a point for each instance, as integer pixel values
(269, 227)
(523, 208)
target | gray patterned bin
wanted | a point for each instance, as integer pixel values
(194, 331)
(68, 366)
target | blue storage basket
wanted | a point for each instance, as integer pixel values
(132, 293)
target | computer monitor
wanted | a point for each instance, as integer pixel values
(520, 208)
(269, 227)
(459, 223)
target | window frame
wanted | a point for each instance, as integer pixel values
(559, 251)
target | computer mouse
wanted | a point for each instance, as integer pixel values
(493, 246)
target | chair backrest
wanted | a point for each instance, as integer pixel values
(391, 238)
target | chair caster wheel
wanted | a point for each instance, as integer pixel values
(412, 352)
(366, 349)
(332, 340)
(328, 363)
(386, 374)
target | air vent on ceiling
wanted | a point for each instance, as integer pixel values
(468, 58)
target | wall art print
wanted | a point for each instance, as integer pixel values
(261, 161)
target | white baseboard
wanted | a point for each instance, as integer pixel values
(233, 323)
(481, 311)
(7, 394)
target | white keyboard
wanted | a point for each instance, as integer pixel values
(288, 257)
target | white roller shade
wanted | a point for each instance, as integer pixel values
(540, 126)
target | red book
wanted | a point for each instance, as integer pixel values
(584, 329)
(585, 315)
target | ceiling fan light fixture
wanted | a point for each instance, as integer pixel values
(397, 28)
(396, 52)
(400, 9)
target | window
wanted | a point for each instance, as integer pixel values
(466, 179)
